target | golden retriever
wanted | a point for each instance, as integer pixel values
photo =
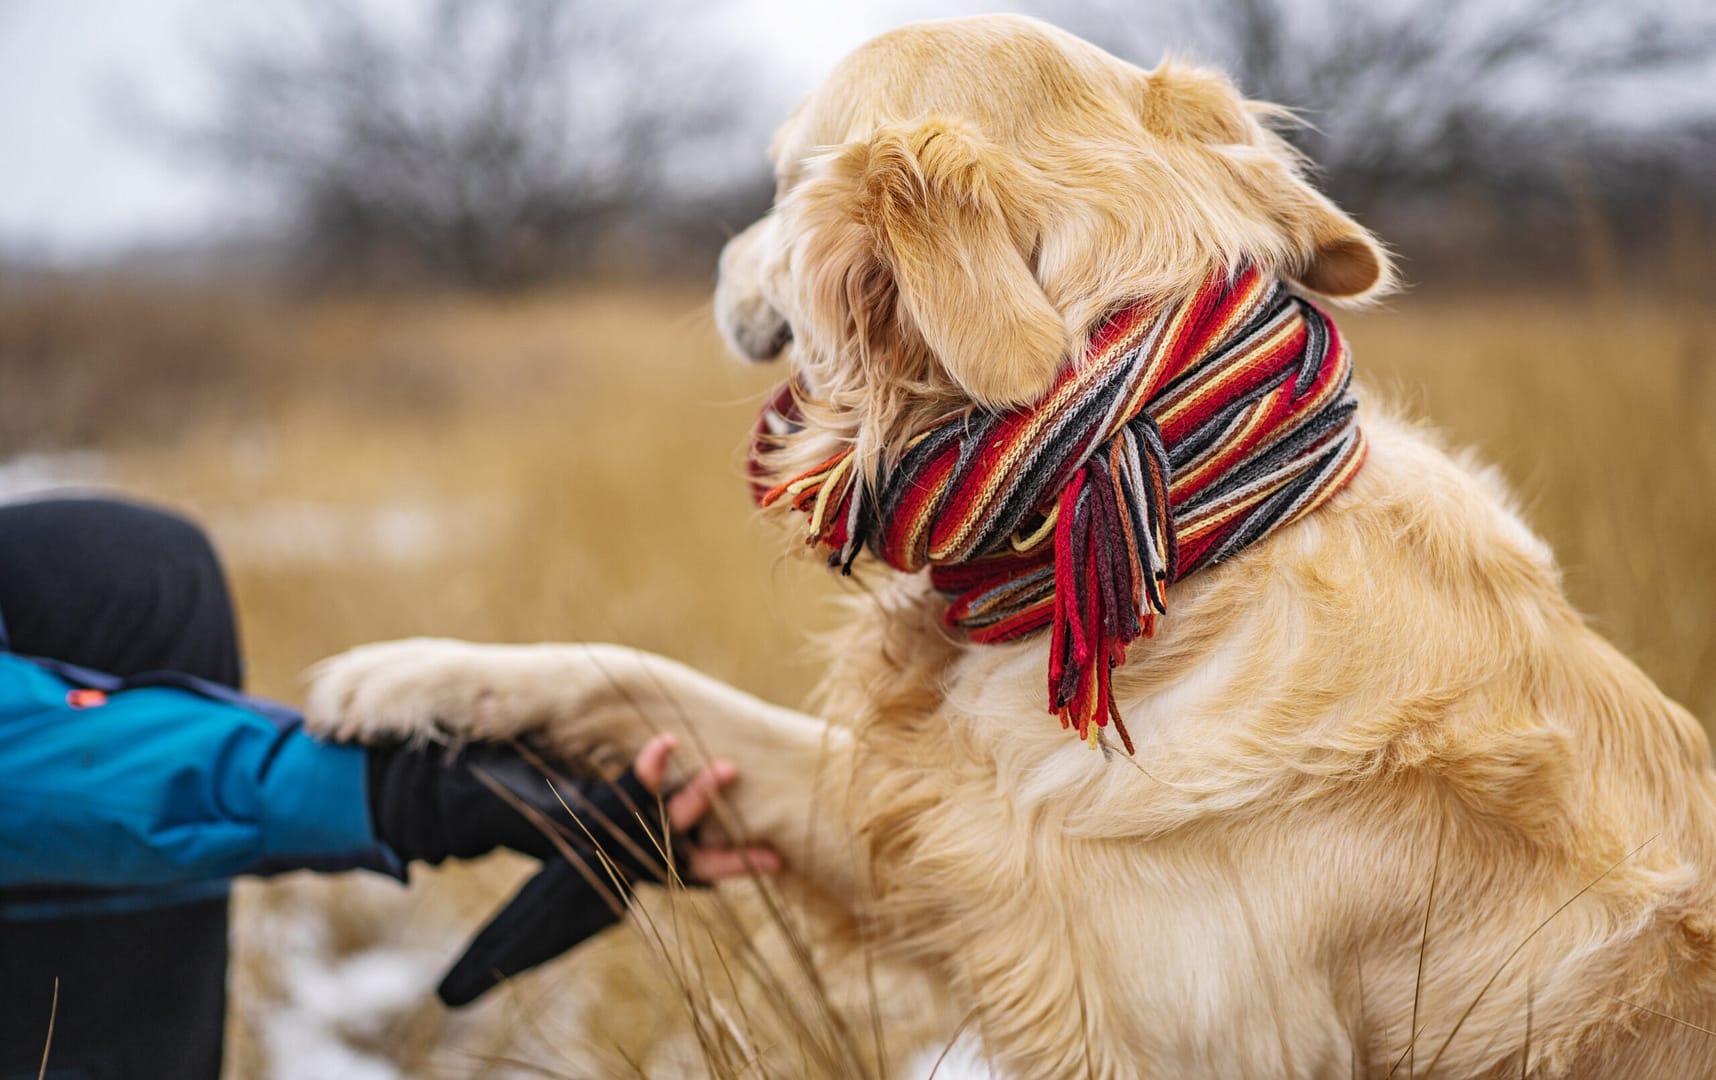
(1394, 809)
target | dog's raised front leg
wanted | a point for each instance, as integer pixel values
(606, 701)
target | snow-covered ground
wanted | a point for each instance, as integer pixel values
(333, 1005)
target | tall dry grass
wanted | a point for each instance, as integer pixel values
(564, 467)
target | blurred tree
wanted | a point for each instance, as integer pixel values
(1413, 99)
(485, 142)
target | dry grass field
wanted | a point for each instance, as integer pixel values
(565, 466)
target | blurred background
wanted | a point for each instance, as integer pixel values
(408, 302)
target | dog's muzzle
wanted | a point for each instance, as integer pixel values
(761, 342)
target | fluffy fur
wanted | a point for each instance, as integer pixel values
(1394, 806)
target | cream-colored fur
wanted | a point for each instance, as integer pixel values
(1393, 803)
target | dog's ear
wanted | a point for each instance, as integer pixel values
(1324, 250)
(1328, 252)
(943, 223)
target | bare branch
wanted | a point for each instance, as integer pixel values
(487, 143)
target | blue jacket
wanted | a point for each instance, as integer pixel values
(164, 786)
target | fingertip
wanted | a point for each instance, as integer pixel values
(651, 762)
(688, 805)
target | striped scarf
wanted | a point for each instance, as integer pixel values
(1187, 433)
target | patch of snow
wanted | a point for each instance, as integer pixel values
(333, 1003)
(299, 1050)
(961, 1061)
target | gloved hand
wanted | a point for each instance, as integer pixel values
(428, 805)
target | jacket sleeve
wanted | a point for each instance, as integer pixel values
(113, 784)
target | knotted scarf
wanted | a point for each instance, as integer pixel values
(1187, 432)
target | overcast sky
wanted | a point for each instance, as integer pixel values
(72, 177)
(81, 176)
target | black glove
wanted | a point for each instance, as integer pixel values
(428, 804)
(552, 912)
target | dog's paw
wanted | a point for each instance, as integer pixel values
(420, 688)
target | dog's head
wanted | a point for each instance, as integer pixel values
(962, 201)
